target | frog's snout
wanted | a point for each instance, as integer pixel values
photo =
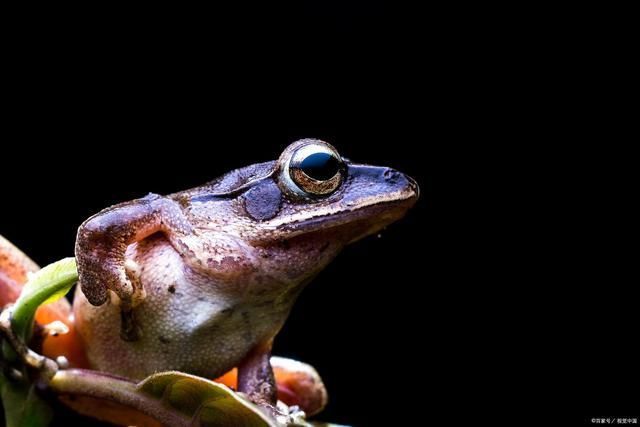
(380, 183)
(398, 179)
(392, 175)
(413, 186)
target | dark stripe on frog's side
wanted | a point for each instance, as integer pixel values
(230, 185)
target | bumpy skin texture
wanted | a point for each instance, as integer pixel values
(209, 275)
(183, 328)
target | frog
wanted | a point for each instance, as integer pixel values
(202, 280)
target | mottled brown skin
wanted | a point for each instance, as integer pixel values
(201, 281)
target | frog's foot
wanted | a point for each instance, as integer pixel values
(289, 415)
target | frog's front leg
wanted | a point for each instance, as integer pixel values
(103, 240)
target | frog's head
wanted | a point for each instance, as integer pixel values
(327, 193)
(302, 209)
(311, 189)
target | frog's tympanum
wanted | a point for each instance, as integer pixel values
(201, 281)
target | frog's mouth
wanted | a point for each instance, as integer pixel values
(355, 223)
(373, 198)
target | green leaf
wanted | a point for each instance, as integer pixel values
(172, 398)
(207, 402)
(22, 406)
(45, 286)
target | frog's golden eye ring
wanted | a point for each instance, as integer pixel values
(317, 173)
(315, 169)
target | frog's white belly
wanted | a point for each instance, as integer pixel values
(189, 323)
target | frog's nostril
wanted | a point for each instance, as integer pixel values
(398, 179)
(391, 175)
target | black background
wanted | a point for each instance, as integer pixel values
(504, 293)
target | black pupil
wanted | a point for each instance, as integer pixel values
(320, 166)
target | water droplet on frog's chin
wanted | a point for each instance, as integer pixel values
(381, 232)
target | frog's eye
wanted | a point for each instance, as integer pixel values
(316, 169)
